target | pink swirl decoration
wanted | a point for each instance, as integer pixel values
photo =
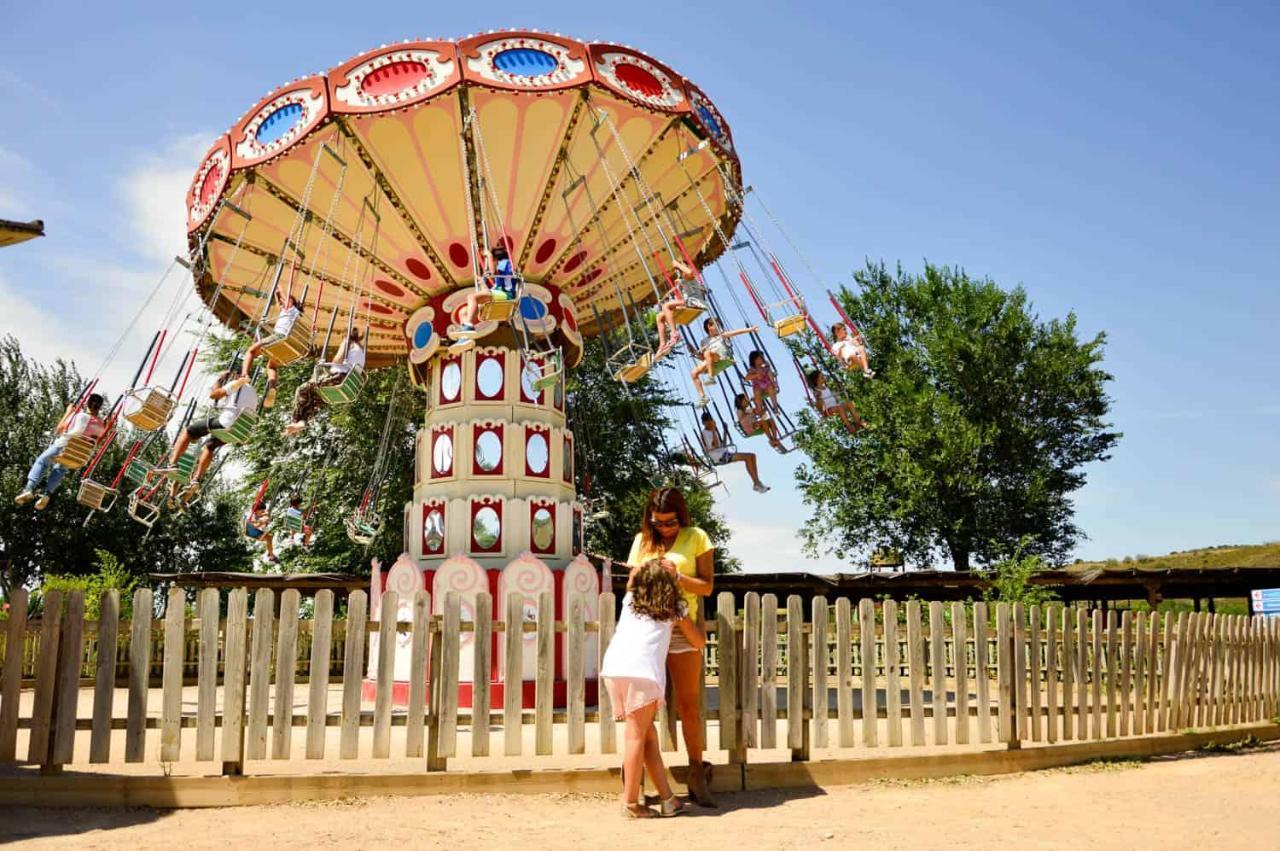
(464, 576)
(529, 577)
(405, 580)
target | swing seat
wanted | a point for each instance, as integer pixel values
(363, 530)
(137, 471)
(181, 472)
(96, 496)
(293, 520)
(631, 372)
(686, 313)
(149, 408)
(239, 431)
(789, 325)
(548, 373)
(497, 308)
(720, 366)
(346, 391)
(77, 452)
(144, 507)
(284, 349)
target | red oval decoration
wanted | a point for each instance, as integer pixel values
(545, 250)
(575, 261)
(394, 78)
(639, 80)
(209, 186)
(389, 288)
(417, 268)
(383, 309)
(592, 275)
(570, 321)
(459, 255)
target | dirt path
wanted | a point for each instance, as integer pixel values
(1192, 801)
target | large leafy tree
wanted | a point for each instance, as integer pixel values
(57, 540)
(624, 449)
(983, 418)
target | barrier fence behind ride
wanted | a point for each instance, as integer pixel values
(838, 676)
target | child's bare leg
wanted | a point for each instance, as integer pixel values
(653, 762)
(758, 401)
(633, 751)
(749, 459)
(249, 357)
(467, 316)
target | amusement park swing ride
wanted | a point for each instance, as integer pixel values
(474, 209)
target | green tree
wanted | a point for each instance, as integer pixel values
(329, 465)
(983, 418)
(624, 451)
(57, 540)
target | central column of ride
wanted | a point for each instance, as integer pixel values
(493, 506)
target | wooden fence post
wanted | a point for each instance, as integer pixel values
(207, 673)
(750, 670)
(233, 683)
(915, 655)
(450, 660)
(960, 658)
(11, 681)
(70, 654)
(575, 678)
(938, 662)
(104, 688)
(1008, 711)
(264, 616)
(175, 633)
(729, 693)
(513, 677)
(318, 674)
(1020, 701)
(543, 687)
(797, 681)
(608, 728)
(821, 661)
(46, 679)
(353, 675)
(867, 646)
(768, 671)
(383, 690)
(481, 674)
(139, 676)
(844, 671)
(892, 674)
(419, 642)
(286, 668)
(982, 671)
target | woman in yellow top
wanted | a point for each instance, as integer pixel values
(687, 552)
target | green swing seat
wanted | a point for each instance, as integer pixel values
(346, 391)
(137, 471)
(240, 430)
(293, 520)
(720, 366)
(181, 472)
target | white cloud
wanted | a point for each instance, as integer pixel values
(37, 328)
(154, 193)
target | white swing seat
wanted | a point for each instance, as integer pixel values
(346, 391)
(144, 507)
(149, 408)
(77, 452)
(284, 349)
(96, 496)
(240, 430)
(546, 371)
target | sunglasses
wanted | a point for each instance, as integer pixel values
(664, 524)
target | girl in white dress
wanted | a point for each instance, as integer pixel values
(635, 674)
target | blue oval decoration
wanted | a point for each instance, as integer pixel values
(709, 118)
(422, 335)
(532, 309)
(278, 123)
(525, 62)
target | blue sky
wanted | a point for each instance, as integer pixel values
(1117, 160)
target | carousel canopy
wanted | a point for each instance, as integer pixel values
(11, 233)
(379, 181)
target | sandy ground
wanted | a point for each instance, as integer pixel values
(1196, 801)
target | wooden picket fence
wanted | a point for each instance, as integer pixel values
(935, 674)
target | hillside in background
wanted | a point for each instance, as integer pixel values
(1254, 555)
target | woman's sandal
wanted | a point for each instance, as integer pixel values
(637, 811)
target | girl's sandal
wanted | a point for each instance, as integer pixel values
(671, 807)
(637, 811)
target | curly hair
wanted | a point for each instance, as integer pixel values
(655, 594)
